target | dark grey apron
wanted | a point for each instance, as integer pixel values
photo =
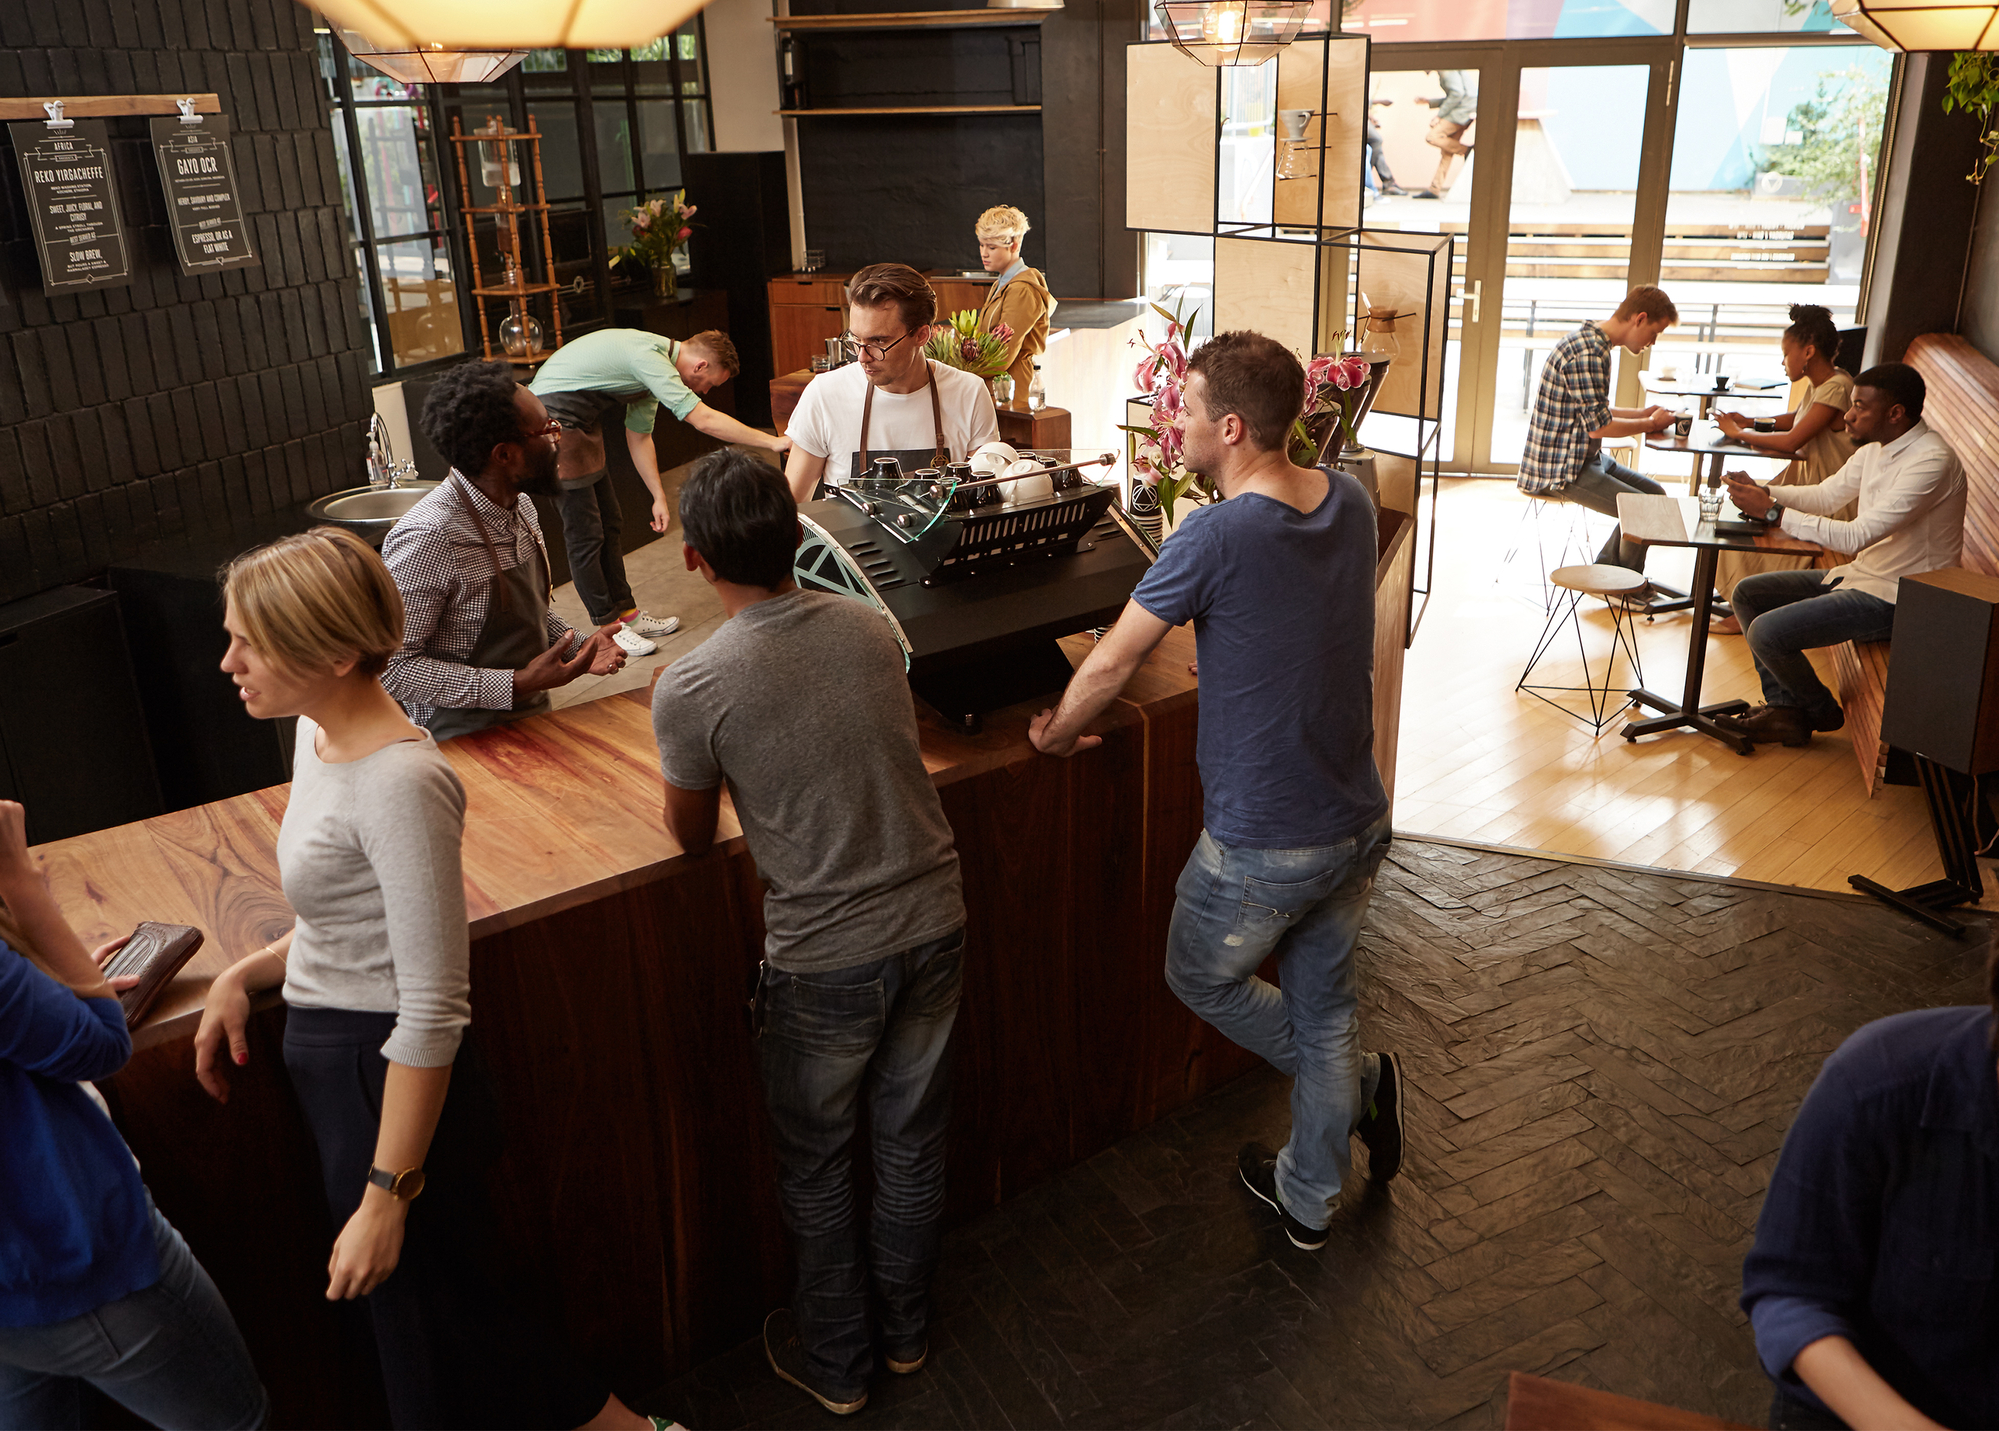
(516, 631)
(911, 458)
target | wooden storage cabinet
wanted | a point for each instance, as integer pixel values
(804, 312)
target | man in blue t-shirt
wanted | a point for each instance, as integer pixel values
(1278, 580)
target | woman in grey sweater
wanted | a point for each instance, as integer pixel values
(376, 975)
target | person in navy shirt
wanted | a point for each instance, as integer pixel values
(1278, 579)
(1870, 1285)
(95, 1286)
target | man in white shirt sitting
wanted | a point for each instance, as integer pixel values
(892, 401)
(1910, 520)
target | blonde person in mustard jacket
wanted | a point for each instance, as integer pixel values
(1020, 294)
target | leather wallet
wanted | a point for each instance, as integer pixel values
(155, 953)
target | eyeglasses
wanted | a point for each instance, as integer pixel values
(877, 351)
(551, 428)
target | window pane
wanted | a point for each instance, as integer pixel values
(401, 170)
(1249, 118)
(1731, 17)
(544, 61)
(561, 158)
(1180, 270)
(575, 231)
(697, 126)
(659, 154)
(345, 162)
(1413, 20)
(614, 141)
(422, 300)
(693, 63)
(1773, 170)
(1568, 234)
(367, 301)
(654, 50)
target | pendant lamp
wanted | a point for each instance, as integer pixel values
(500, 27)
(1233, 32)
(431, 64)
(1921, 24)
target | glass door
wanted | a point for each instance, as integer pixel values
(1571, 225)
(1423, 131)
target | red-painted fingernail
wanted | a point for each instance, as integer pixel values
(242, 1058)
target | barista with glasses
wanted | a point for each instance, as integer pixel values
(891, 401)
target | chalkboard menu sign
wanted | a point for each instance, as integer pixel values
(66, 178)
(199, 175)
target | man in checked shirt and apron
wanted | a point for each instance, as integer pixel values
(480, 644)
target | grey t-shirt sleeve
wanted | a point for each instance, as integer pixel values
(685, 733)
(412, 837)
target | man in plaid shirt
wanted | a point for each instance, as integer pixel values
(1564, 459)
(480, 644)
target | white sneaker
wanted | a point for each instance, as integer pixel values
(633, 644)
(653, 626)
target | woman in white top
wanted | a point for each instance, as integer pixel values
(376, 975)
(1813, 435)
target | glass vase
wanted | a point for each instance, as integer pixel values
(665, 280)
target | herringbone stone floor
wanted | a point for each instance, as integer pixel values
(1601, 1064)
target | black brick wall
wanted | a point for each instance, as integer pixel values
(176, 408)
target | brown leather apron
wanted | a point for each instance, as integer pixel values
(911, 458)
(516, 631)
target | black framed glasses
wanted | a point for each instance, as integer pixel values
(877, 351)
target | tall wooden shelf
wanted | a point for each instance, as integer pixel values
(509, 211)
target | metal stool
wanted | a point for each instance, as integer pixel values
(1572, 584)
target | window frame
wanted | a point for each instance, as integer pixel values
(365, 245)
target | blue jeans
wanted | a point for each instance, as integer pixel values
(882, 1029)
(1235, 907)
(1785, 614)
(1598, 487)
(169, 1353)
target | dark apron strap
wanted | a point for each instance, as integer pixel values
(940, 456)
(492, 553)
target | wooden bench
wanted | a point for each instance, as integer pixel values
(1962, 407)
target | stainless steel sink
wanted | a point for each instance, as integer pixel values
(370, 511)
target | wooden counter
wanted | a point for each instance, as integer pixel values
(610, 974)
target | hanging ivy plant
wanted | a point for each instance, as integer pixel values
(1974, 88)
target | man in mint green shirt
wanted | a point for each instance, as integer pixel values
(582, 382)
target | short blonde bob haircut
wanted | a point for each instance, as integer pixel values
(1002, 221)
(308, 602)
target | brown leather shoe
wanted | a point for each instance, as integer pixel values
(1770, 725)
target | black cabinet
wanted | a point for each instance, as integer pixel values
(73, 743)
(207, 746)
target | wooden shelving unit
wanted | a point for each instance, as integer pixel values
(911, 20)
(510, 211)
(915, 109)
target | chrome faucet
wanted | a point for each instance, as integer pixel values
(384, 472)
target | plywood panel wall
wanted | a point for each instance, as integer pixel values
(1172, 116)
(1267, 287)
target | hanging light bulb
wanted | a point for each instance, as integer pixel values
(1233, 32)
(1921, 24)
(492, 27)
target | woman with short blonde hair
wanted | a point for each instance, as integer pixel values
(1020, 297)
(376, 973)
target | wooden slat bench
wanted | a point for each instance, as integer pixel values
(1962, 406)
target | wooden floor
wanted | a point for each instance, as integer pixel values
(1601, 1064)
(1479, 761)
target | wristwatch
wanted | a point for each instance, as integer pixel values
(1774, 515)
(404, 1185)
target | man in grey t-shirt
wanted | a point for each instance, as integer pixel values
(799, 702)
